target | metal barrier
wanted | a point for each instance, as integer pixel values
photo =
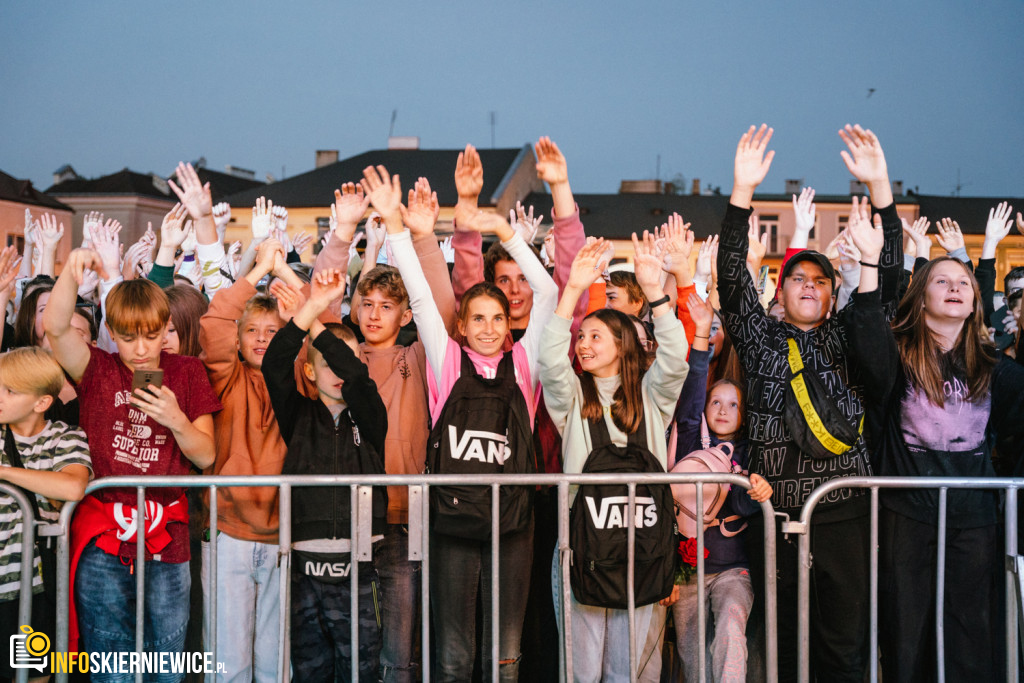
(1014, 562)
(419, 549)
(28, 544)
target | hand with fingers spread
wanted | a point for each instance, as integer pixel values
(48, 236)
(524, 223)
(385, 193)
(864, 159)
(262, 219)
(586, 267)
(233, 258)
(172, 234)
(90, 281)
(92, 219)
(107, 243)
(868, 238)
(751, 164)
(484, 222)
(447, 250)
(647, 267)
(421, 214)
(301, 242)
(325, 287)
(188, 245)
(757, 245)
(10, 261)
(706, 257)
(376, 236)
(289, 299)
(678, 247)
(996, 229)
(950, 237)
(29, 225)
(133, 256)
(918, 233)
(350, 204)
(803, 210)
(192, 192)
(702, 314)
(221, 218)
(849, 255)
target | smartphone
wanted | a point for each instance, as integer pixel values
(143, 379)
(762, 279)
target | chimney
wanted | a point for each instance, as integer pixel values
(239, 172)
(325, 157)
(640, 187)
(670, 188)
(63, 173)
(897, 187)
(857, 187)
(403, 142)
(793, 185)
(695, 186)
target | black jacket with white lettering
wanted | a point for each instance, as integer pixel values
(316, 445)
(762, 345)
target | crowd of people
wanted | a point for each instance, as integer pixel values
(183, 355)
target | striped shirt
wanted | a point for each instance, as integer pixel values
(54, 448)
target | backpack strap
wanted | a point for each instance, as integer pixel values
(11, 450)
(803, 399)
(705, 435)
(599, 435)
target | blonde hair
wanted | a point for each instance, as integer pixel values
(31, 370)
(137, 307)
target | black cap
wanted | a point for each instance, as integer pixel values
(814, 257)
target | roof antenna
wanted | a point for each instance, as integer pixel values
(394, 115)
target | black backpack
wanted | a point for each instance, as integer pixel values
(484, 428)
(598, 531)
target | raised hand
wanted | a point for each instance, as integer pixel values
(551, 166)
(289, 299)
(221, 218)
(90, 281)
(267, 254)
(50, 232)
(950, 237)
(188, 245)
(301, 242)
(547, 250)
(326, 286)
(350, 203)
(92, 219)
(751, 164)
(647, 265)
(701, 312)
(865, 159)
(757, 244)
(996, 229)
(483, 223)
(423, 210)
(385, 193)
(1020, 223)
(678, 245)
(586, 266)
(192, 193)
(233, 258)
(172, 232)
(866, 237)
(28, 226)
(10, 262)
(133, 258)
(107, 243)
(447, 250)
(803, 209)
(706, 256)
(918, 233)
(262, 218)
(82, 260)
(280, 218)
(524, 223)
(469, 175)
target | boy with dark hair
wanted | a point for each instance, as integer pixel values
(349, 421)
(839, 531)
(152, 430)
(50, 460)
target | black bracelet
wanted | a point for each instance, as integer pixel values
(868, 265)
(700, 336)
(663, 300)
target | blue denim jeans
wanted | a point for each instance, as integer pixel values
(400, 605)
(105, 598)
(460, 572)
(248, 609)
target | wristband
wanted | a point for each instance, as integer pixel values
(700, 336)
(188, 258)
(663, 300)
(868, 265)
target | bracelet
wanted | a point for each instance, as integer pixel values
(868, 265)
(700, 336)
(663, 300)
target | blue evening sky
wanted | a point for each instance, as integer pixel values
(262, 85)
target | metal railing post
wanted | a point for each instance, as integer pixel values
(702, 618)
(353, 576)
(425, 585)
(940, 589)
(631, 577)
(64, 583)
(564, 555)
(873, 578)
(140, 575)
(803, 605)
(284, 539)
(771, 603)
(1010, 583)
(495, 606)
(28, 547)
(211, 573)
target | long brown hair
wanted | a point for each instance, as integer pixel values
(627, 402)
(923, 359)
(187, 306)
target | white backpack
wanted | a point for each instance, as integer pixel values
(708, 459)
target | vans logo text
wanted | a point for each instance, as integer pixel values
(613, 512)
(479, 445)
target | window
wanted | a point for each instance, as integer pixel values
(17, 241)
(770, 225)
(323, 226)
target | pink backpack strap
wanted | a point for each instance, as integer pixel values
(705, 437)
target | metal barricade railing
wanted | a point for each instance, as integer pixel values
(1014, 562)
(28, 544)
(419, 550)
